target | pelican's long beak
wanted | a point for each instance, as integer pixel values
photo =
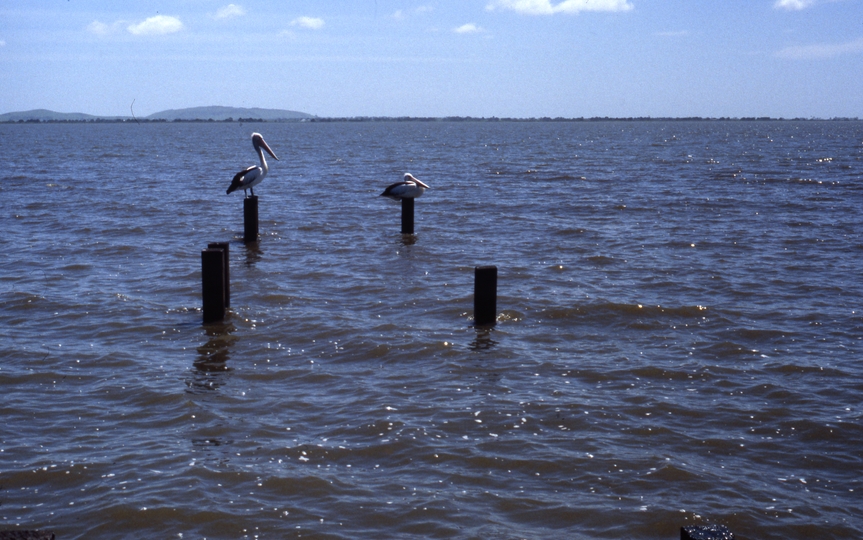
(266, 147)
(259, 141)
(411, 178)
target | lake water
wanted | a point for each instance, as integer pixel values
(678, 340)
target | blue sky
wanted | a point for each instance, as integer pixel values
(505, 58)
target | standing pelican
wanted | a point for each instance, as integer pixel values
(252, 176)
(410, 188)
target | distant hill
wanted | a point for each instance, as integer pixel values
(44, 115)
(194, 113)
(225, 113)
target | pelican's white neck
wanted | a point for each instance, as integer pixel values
(262, 158)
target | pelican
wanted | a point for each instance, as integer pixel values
(252, 176)
(410, 188)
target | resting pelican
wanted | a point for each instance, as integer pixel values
(410, 188)
(252, 176)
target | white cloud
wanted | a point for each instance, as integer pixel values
(793, 5)
(469, 28)
(545, 7)
(827, 50)
(230, 11)
(400, 15)
(160, 24)
(98, 28)
(311, 23)
(103, 29)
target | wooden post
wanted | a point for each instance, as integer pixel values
(213, 284)
(250, 219)
(485, 295)
(226, 247)
(407, 216)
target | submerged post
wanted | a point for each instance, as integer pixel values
(485, 295)
(225, 246)
(250, 219)
(213, 284)
(408, 215)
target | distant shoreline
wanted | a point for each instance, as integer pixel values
(125, 120)
(219, 113)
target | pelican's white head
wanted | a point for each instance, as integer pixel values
(259, 142)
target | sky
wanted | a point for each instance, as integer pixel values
(480, 58)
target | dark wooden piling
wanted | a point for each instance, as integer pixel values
(226, 247)
(407, 216)
(250, 219)
(213, 284)
(706, 532)
(485, 295)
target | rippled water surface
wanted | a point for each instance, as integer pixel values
(678, 340)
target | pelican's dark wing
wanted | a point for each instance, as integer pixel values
(244, 177)
(396, 190)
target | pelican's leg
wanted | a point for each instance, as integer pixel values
(253, 191)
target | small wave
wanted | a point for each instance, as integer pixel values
(76, 267)
(564, 177)
(277, 298)
(570, 231)
(796, 368)
(728, 349)
(183, 310)
(817, 432)
(510, 315)
(27, 301)
(635, 316)
(760, 334)
(658, 373)
(602, 260)
(673, 474)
